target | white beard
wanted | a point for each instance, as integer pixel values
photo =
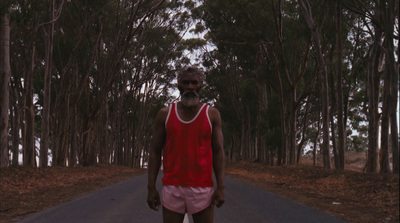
(190, 98)
(190, 101)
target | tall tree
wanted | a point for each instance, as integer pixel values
(4, 85)
(391, 75)
(377, 17)
(239, 28)
(374, 73)
(340, 108)
(48, 31)
(323, 77)
(93, 96)
(29, 153)
(24, 42)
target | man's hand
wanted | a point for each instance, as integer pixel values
(153, 199)
(218, 198)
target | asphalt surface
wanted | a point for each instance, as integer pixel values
(126, 202)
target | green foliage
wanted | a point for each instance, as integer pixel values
(116, 61)
(272, 115)
(193, 43)
(237, 29)
(5, 6)
(273, 138)
(248, 91)
(358, 144)
(113, 66)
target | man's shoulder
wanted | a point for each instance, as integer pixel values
(164, 109)
(163, 113)
(213, 113)
(212, 108)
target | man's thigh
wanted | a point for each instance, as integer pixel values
(171, 216)
(204, 216)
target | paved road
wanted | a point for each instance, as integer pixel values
(126, 202)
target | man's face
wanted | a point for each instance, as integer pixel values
(189, 87)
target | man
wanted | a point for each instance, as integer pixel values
(189, 136)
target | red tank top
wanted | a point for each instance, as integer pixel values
(187, 155)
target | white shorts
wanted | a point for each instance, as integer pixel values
(186, 199)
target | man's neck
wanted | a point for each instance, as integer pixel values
(187, 113)
(193, 108)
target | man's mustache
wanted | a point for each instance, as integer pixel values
(190, 94)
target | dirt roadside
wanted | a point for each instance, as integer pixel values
(355, 196)
(25, 190)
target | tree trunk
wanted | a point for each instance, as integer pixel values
(44, 139)
(15, 127)
(29, 140)
(235, 148)
(15, 113)
(375, 67)
(373, 102)
(102, 130)
(306, 9)
(283, 150)
(293, 128)
(315, 158)
(394, 131)
(304, 137)
(89, 151)
(393, 123)
(262, 107)
(384, 152)
(74, 138)
(389, 18)
(395, 91)
(331, 118)
(5, 72)
(341, 124)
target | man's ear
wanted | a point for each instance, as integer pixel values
(179, 88)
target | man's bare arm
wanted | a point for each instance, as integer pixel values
(158, 140)
(218, 156)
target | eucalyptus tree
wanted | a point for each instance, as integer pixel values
(373, 88)
(296, 68)
(152, 62)
(377, 19)
(232, 72)
(382, 62)
(342, 136)
(15, 106)
(334, 55)
(305, 7)
(256, 34)
(125, 49)
(31, 33)
(225, 82)
(54, 12)
(25, 19)
(389, 18)
(102, 59)
(4, 84)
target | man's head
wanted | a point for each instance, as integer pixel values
(190, 80)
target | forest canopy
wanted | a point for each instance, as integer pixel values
(82, 81)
